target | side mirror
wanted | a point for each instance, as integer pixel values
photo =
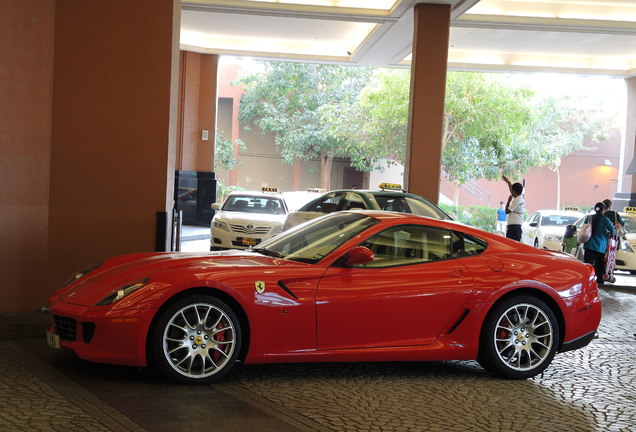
(533, 224)
(359, 255)
(215, 206)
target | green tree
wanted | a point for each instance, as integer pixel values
(224, 156)
(307, 107)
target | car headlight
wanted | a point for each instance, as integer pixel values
(122, 292)
(221, 225)
(277, 230)
(553, 238)
(80, 274)
(626, 247)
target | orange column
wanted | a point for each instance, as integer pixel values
(197, 111)
(114, 110)
(426, 113)
(630, 139)
(207, 111)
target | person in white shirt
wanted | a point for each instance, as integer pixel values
(514, 209)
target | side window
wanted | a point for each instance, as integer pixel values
(409, 244)
(328, 204)
(465, 245)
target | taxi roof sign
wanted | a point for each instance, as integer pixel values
(269, 189)
(630, 209)
(391, 186)
(571, 209)
(317, 190)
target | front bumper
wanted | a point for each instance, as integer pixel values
(102, 335)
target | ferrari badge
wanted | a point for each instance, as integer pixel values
(260, 287)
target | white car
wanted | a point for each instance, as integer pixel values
(625, 254)
(544, 229)
(246, 219)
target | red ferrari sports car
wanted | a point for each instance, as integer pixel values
(349, 286)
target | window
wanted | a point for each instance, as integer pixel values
(415, 244)
(351, 201)
(409, 244)
(327, 204)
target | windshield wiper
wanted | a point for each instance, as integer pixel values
(268, 252)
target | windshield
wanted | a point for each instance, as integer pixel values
(630, 223)
(313, 241)
(254, 204)
(558, 220)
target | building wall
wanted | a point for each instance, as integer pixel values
(585, 180)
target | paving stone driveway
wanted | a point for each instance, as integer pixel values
(586, 390)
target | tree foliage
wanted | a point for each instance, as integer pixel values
(224, 156)
(306, 107)
(491, 126)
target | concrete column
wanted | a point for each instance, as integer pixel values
(27, 29)
(630, 133)
(114, 108)
(426, 112)
(197, 111)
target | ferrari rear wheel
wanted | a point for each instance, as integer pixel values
(197, 339)
(519, 338)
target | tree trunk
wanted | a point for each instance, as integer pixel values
(325, 171)
(558, 190)
(458, 188)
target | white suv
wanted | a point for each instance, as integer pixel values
(246, 219)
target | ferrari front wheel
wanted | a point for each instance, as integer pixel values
(519, 338)
(197, 339)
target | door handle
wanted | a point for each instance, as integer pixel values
(456, 273)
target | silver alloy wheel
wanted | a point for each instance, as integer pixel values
(523, 337)
(199, 340)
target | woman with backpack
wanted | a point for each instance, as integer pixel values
(596, 246)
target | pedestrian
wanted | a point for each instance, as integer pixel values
(595, 247)
(514, 209)
(614, 217)
(569, 240)
(502, 219)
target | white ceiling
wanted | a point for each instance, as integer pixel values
(576, 36)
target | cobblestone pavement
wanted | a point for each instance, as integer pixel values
(592, 389)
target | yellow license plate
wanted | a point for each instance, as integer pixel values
(52, 340)
(249, 241)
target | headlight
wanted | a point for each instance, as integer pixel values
(553, 238)
(80, 274)
(626, 247)
(277, 230)
(122, 292)
(221, 225)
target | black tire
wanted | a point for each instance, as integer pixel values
(519, 338)
(197, 339)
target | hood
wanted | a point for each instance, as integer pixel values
(164, 269)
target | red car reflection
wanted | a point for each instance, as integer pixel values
(349, 286)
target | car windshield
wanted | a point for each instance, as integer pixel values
(313, 241)
(558, 220)
(630, 223)
(409, 204)
(254, 204)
